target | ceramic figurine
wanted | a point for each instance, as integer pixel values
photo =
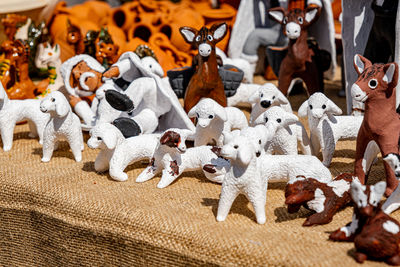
(289, 134)
(325, 198)
(48, 57)
(376, 87)
(82, 75)
(11, 24)
(106, 51)
(241, 63)
(172, 158)
(16, 81)
(63, 123)
(13, 111)
(392, 203)
(75, 38)
(117, 152)
(299, 61)
(149, 60)
(142, 90)
(267, 95)
(205, 82)
(375, 234)
(250, 174)
(326, 126)
(213, 119)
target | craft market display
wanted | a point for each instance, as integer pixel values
(149, 82)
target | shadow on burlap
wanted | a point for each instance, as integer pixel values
(62, 213)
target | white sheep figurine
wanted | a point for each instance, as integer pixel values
(326, 127)
(213, 119)
(249, 174)
(267, 95)
(290, 132)
(13, 111)
(117, 152)
(63, 123)
(172, 159)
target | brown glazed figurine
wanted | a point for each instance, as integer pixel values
(11, 23)
(375, 234)
(75, 38)
(206, 81)
(376, 88)
(298, 62)
(324, 198)
(106, 51)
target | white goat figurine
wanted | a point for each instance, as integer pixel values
(13, 111)
(290, 132)
(213, 119)
(172, 159)
(267, 95)
(250, 174)
(63, 123)
(326, 127)
(117, 152)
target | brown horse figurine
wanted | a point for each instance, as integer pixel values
(298, 62)
(376, 88)
(206, 81)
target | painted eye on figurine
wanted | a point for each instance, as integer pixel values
(53, 99)
(279, 120)
(259, 141)
(198, 38)
(324, 106)
(373, 83)
(235, 146)
(310, 106)
(210, 38)
(266, 119)
(99, 138)
(273, 97)
(211, 117)
(261, 95)
(197, 114)
(300, 19)
(285, 20)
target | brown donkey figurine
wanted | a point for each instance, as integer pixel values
(298, 62)
(206, 81)
(375, 234)
(376, 88)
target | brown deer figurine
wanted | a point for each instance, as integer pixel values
(298, 62)
(376, 88)
(324, 198)
(206, 81)
(375, 234)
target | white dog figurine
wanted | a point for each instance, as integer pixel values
(63, 123)
(13, 111)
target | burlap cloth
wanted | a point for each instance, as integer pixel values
(62, 213)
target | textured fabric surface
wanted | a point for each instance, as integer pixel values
(62, 213)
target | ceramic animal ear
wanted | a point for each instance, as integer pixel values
(228, 137)
(192, 112)
(379, 189)
(165, 138)
(110, 140)
(281, 98)
(361, 63)
(277, 14)
(220, 112)
(62, 107)
(245, 154)
(289, 118)
(391, 73)
(259, 120)
(312, 14)
(219, 31)
(332, 108)
(188, 33)
(302, 112)
(253, 98)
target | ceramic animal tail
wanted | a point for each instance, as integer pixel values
(376, 87)
(206, 81)
(298, 62)
(375, 234)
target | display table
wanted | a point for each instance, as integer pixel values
(63, 213)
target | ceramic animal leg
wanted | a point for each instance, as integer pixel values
(345, 233)
(360, 257)
(284, 81)
(7, 134)
(48, 148)
(311, 79)
(101, 163)
(190, 101)
(315, 144)
(358, 166)
(258, 200)
(391, 180)
(228, 195)
(393, 202)
(33, 133)
(147, 173)
(327, 153)
(395, 260)
(117, 167)
(76, 147)
(317, 218)
(219, 96)
(168, 176)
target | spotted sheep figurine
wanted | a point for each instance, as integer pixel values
(376, 88)
(213, 119)
(375, 234)
(325, 198)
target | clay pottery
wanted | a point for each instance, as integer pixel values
(133, 44)
(100, 11)
(167, 54)
(124, 16)
(117, 35)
